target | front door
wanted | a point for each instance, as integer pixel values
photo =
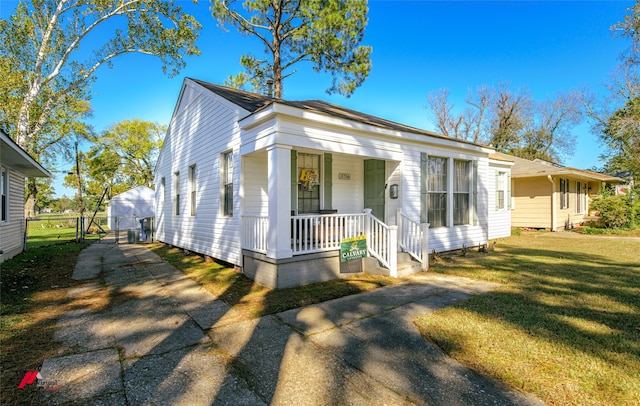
(374, 185)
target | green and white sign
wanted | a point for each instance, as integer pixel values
(353, 248)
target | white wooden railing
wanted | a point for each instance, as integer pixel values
(323, 232)
(382, 241)
(254, 233)
(413, 238)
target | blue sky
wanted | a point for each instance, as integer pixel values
(546, 47)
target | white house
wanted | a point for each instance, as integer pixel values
(272, 186)
(127, 207)
(15, 166)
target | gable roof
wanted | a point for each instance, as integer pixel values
(254, 102)
(525, 168)
(136, 193)
(17, 158)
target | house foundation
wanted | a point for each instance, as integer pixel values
(295, 271)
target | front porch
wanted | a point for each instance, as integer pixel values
(314, 242)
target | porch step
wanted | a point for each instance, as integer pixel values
(406, 266)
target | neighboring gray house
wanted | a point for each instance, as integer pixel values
(15, 166)
(272, 186)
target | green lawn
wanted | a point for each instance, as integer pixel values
(50, 229)
(565, 325)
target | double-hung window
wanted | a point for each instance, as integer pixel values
(501, 187)
(163, 194)
(461, 192)
(192, 189)
(437, 191)
(176, 193)
(564, 193)
(4, 195)
(227, 183)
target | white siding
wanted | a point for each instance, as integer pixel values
(203, 127)
(347, 194)
(12, 231)
(254, 185)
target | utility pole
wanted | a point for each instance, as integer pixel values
(80, 205)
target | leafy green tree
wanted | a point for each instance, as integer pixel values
(621, 135)
(326, 33)
(124, 156)
(50, 51)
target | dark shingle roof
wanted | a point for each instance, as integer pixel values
(249, 101)
(253, 102)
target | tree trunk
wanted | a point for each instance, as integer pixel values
(30, 203)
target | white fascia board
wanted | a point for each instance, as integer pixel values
(21, 160)
(280, 109)
(272, 133)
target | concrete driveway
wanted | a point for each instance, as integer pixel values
(165, 340)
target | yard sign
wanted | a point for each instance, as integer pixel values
(352, 250)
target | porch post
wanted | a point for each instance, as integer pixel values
(279, 190)
(393, 251)
(425, 246)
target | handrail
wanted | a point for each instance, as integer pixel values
(382, 241)
(413, 238)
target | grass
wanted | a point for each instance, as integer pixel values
(565, 325)
(50, 229)
(620, 232)
(33, 296)
(250, 300)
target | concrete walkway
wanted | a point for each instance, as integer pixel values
(162, 339)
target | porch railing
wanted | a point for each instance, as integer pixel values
(323, 232)
(413, 238)
(254, 233)
(382, 241)
(317, 233)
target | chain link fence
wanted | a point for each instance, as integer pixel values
(56, 228)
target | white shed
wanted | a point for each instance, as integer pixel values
(130, 206)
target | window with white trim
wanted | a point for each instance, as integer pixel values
(176, 193)
(461, 192)
(437, 191)
(564, 193)
(163, 193)
(501, 190)
(192, 189)
(4, 195)
(227, 183)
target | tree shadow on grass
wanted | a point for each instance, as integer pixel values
(583, 301)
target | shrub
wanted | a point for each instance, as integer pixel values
(618, 211)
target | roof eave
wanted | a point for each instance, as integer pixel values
(22, 161)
